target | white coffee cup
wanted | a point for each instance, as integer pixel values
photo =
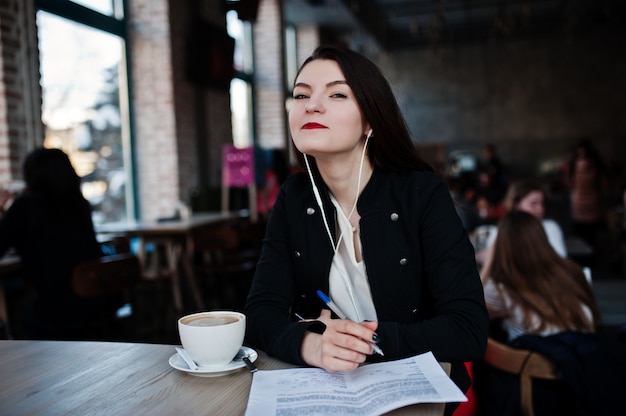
(212, 338)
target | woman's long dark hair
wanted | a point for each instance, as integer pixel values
(537, 278)
(391, 147)
(52, 180)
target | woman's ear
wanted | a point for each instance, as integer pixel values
(369, 133)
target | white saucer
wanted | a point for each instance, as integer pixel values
(178, 363)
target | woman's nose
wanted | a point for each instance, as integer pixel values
(313, 106)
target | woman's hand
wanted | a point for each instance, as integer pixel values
(344, 345)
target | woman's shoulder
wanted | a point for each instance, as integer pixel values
(296, 178)
(415, 178)
(296, 189)
(23, 203)
(551, 225)
(296, 184)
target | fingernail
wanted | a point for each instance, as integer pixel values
(375, 338)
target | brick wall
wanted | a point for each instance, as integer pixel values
(268, 77)
(308, 39)
(534, 98)
(177, 124)
(153, 107)
(20, 94)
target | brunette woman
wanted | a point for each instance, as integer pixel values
(370, 224)
(530, 287)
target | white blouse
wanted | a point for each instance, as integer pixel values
(348, 283)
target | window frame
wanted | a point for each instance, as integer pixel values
(116, 26)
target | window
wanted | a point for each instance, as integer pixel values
(241, 86)
(83, 79)
(107, 7)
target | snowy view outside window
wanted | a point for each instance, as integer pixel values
(83, 79)
(80, 74)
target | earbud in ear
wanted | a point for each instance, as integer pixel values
(369, 133)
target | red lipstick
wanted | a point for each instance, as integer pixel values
(310, 126)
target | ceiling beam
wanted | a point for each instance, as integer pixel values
(371, 18)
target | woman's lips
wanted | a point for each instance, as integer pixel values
(310, 126)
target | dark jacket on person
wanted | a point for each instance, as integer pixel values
(420, 266)
(592, 365)
(50, 243)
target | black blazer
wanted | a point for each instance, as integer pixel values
(419, 261)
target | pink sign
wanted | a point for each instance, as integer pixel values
(238, 166)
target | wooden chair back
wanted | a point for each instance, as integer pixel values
(524, 363)
(223, 239)
(106, 275)
(225, 265)
(106, 279)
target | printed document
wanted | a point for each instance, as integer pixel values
(369, 390)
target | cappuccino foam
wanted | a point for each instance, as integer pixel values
(212, 320)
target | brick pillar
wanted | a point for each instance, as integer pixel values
(268, 76)
(179, 127)
(153, 107)
(308, 39)
(21, 128)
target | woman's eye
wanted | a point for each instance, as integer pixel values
(338, 95)
(299, 96)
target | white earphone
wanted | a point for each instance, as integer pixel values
(318, 197)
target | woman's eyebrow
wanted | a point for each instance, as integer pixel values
(338, 82)
(329, 84)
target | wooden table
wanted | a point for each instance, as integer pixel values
(176, 238)
(102, 378)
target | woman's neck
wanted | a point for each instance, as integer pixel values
(342, 179)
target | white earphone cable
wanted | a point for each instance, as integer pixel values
(318, 198)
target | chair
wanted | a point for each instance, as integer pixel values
(226, 262)
(105, 278)
(526, 364)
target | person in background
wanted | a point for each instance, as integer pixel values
(527, 196)
(463, 192)
(530, 290)
(368, 222)
(533, 288)
(587, 183)
(50, 227)
(493, 181)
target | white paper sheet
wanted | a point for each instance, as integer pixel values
(369, 390)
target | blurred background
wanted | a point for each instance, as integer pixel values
(152, 98)
(144, 94)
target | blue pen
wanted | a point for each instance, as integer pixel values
(333, 307)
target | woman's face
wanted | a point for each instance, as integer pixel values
(533, 204)
(324, 118)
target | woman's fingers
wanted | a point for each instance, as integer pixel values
(345, 344)
(352, 338)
